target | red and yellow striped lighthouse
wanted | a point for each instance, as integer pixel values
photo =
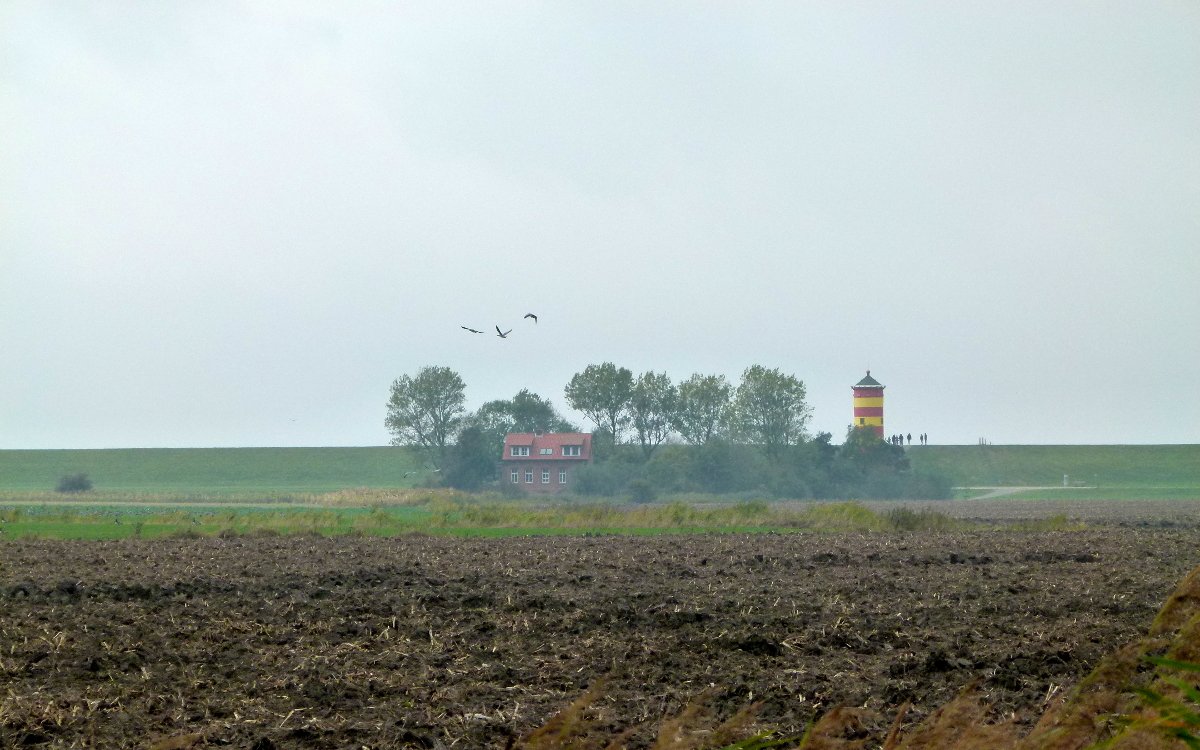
(868, 404)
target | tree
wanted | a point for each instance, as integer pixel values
(426, 410)
(471, 461)
(869, 466)
(494, 419)
(651, 407)
(525, 412)
(719, 466)
(769, 409)
(602, 393)
(701, 407)
(532, 413)
(866, 451)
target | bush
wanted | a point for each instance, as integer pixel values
(600, 479)
(471, 462)
(930, 486)
(751, 508)
(905, 519)
(510, 491)
(787, 482)
(642, 491)
(667, 469)
(74, 483)
(883, 484)
(721, 467)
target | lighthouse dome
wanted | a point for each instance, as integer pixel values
(868, 382)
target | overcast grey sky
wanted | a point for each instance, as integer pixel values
(235, 224)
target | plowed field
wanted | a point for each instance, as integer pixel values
(309, 642)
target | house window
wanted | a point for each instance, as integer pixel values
(545, 476)
(570, 450)
(546, 451)
(520, 450)
(562, 477)
(529, 476)
(516, 476)
(862, 420)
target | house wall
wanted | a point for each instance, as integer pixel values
(553, 487)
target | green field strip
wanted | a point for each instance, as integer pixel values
(1101, 466)
(214, 470)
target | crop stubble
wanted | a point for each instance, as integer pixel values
(421, 641)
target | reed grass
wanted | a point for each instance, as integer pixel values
(1056, 522)
(447, 512)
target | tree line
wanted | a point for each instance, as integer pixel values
(651, 435)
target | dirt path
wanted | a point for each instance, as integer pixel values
(993, 492)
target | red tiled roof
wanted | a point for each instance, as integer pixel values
(553, 441)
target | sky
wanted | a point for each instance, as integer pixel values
(237, 223)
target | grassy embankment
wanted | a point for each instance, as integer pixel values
(160, 492)
(241, 474)
(1094, 472)
(301, 474)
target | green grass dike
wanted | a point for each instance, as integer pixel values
(384, 491)
(1098, 472)
(269, 472)
(274, 472)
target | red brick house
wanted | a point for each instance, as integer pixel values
(545, 462)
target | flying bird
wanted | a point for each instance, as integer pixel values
(472, 330)
(503, 334)
(531, 315)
